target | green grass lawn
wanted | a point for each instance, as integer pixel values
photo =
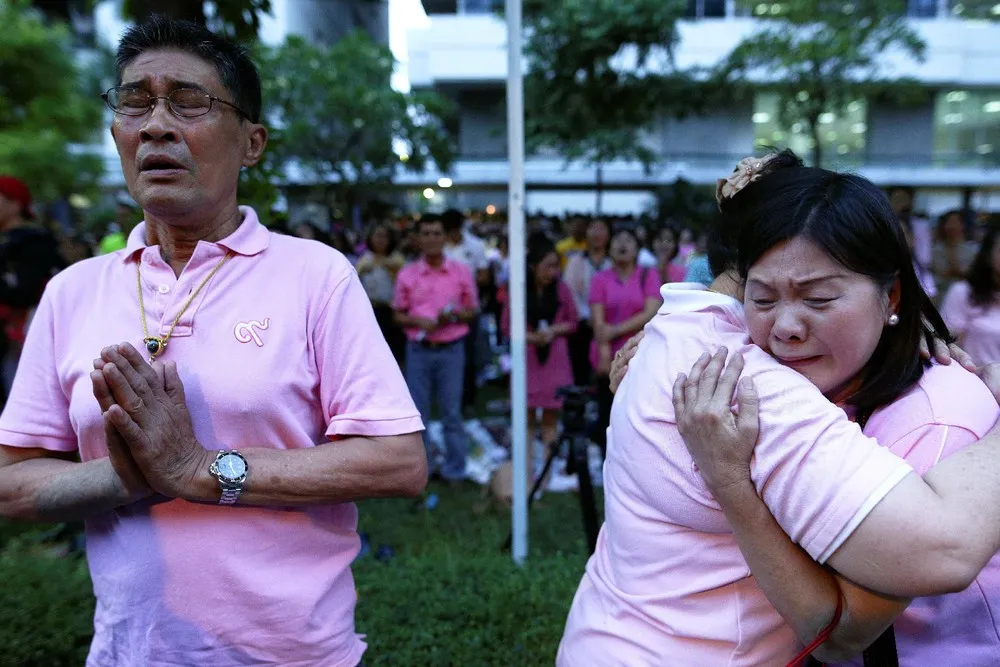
(449, 596)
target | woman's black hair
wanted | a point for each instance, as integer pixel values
(677, 239)
(602, 221)
(540, 307)
(943, 220)
(982, 278)
(374, 227)
(850, 219)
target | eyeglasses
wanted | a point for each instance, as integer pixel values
(182, 102)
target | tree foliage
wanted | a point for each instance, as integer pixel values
(49, 108)
(239, 19)
(599, 73)
(337, 117)
(820, 55)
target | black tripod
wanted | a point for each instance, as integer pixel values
(575, 442)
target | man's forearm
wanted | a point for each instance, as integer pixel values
(801, 590)
(405, 320)
(48, 489)
(347, 470)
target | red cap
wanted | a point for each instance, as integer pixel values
(15, 190)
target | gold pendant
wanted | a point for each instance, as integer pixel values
(154, 346)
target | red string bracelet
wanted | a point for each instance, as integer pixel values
(822, 636)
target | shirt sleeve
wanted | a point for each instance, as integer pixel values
(567, 313)
(361, 387)
(652, 287)
(401, 294)
(926, 446)
(598, 291)
(37, 410)
(955, 308)
(817, 472)
(479, 258)
(470, 294)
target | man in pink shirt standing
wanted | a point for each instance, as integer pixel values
(435, 300)
(217, 471)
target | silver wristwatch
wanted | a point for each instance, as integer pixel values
(231, 469)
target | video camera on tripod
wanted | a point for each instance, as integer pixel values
(578, 417)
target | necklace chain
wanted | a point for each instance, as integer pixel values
(156, 344)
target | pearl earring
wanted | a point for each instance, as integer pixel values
(893, 320)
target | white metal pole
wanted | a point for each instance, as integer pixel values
(516, 252)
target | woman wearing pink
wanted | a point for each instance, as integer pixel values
(667, 250)
(799, 302)
(972, 308)
(551, 316)
(622, 299)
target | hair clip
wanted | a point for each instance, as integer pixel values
(748, 170)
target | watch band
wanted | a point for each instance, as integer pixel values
(230, 496)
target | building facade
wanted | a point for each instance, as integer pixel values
(948, 147)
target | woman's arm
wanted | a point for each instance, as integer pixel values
(639, 320)
(601, 328)
(802, 591)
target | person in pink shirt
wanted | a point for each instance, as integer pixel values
(217, 483)
(667, 256)
(551, 317)
(668, 583)
(946, 410)
(972, 306)
(622, 299)
(435, 299)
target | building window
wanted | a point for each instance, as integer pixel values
(967, 127)
(843, 135)
(706, 9)
(975, 9)
(479, 6)
(922, 9)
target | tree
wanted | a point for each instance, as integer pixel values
(818, 56)
(239, 19)
(338, 119)
(48, 112)
(599, 73)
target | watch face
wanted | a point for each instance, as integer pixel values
(232, 467)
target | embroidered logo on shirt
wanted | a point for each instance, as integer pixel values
(246, 331)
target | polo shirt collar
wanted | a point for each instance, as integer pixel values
(427, 268)
(250, 238)
(695, 297)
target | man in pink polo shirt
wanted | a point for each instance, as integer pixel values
(217, 483)
(435, 300)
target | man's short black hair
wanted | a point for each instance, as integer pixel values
(452, 219)
(236, 70)
(428, 219)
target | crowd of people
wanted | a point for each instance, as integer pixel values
(211, 397)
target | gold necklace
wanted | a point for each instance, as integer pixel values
(156, 344)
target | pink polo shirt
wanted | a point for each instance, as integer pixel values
(945, 412)
(425, 291)
(280, 349)
(977, 327)
(668, 584)
(622, 299)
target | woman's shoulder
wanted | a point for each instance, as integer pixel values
(944, 396)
